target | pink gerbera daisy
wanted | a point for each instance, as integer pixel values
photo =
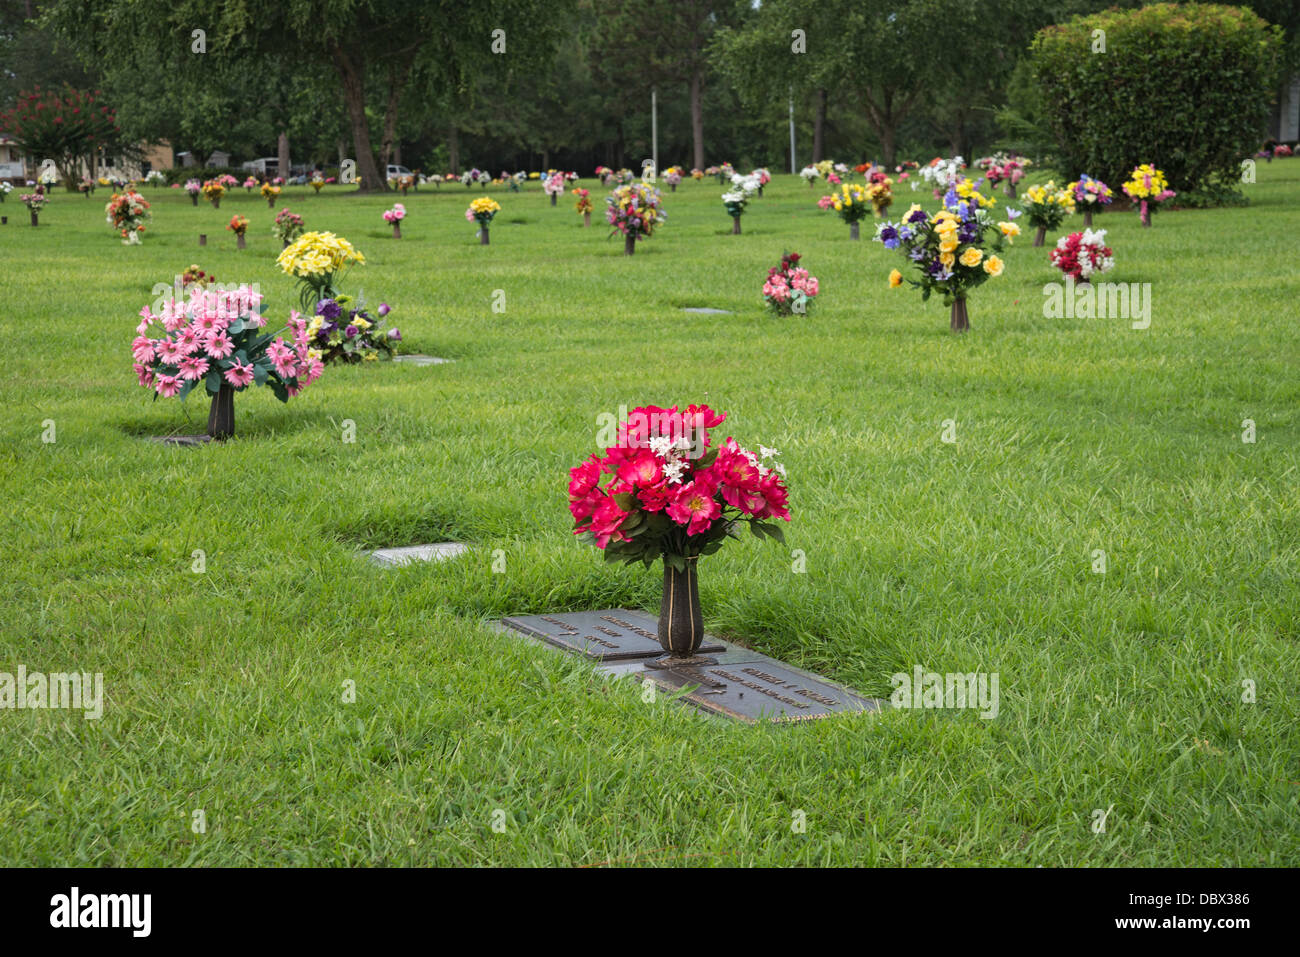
(219, 345)
(239, 375)
(168, 385)
(194, 367)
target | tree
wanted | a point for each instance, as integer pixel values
(65, 126)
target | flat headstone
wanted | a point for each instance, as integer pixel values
(186, 440)
(705, 310)
(739, 683)
(613, 634)
(420, 360)
(438, 552)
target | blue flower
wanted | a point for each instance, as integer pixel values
(889, 236)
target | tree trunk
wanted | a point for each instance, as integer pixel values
(819, 128)
(887, 143)
(354, 96)
(397, 76)
(697, 116)
(282, 152)
(453, 148)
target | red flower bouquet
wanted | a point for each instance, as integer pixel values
(664, 489)
(1083, 255)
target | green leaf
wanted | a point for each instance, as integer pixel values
(625, 500)
(212, 382)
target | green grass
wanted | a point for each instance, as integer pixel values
(224, 689)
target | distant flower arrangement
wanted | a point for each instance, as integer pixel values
(635, 211)
(482, 210)
(238, 224)
(1091, 192)
(1083, 255)
(789, 288)
(396, 214)
(584, 204)
(288, 226)
(1149, 188)
(127, 213)
(1046, 207)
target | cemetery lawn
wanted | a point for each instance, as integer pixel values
(1121, 694)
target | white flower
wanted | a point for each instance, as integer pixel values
(673, 472)
(660, 445)
(767, 453)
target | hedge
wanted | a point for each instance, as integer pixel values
(1187, 87)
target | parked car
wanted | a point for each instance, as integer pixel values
(396, 171)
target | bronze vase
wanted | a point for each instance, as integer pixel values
(221, 417)
(681, 621)
(586, 219)
(853, 230)
(1087, 218)
(483, 235)
(239, 241)
(960, 321)
(629, 244)
(194, 199)
(35, 218)
(1040, 236)
(735, 225)
(397, 230)
(554, 197)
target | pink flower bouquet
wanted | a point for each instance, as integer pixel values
(789, 288)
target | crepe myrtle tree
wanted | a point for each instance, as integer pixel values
(65, 126)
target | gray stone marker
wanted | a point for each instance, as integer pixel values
(417, 553)
(189, 441)
(705, 310)
(737, 682)
(416, 360)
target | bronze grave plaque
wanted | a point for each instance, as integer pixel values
(613, 634)
(760, 689)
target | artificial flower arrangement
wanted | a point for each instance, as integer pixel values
(824, 167)
(697, 174)
(318, 260)
(604, 174)
(1083, 255)
(1282, 150)
(239, 226)
(763, 176)
(317, 183)
(394, 217)
(810, 175)
(554, 186)
(713, 171)
(673, 177)
(483, 178)
(880, 191)
(481, 211)
(288, 226)
(270, 193)
(1148, 187)
(469, 177)
(216, 338)
(789, 288)
(193, 187)
(86, 186)
(35, 202)
(852, 204)
(250, 184)
(127, 213)
(5, 189)
(1046, 206)
(737, 198)
(213, 191)
(1091, 194)
(584, 204)
(941, 173)
(666, 490)
(1005, 167)
(954, 251)
(343, 331)
(228, 181)
(636, 211)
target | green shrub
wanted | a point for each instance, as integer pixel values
(1184, 86)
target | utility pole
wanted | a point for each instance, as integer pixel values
(654, 129)
(793, 167)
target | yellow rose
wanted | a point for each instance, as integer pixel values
(1009, 229)
(895, 279)
(993, 266)
(949, 244)
(947, 259)
(971, 257)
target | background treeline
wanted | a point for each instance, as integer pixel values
(531, 84)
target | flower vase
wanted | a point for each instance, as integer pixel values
(35, 218)
(221, 417)
(270, 202)
(194, 199)
(672, 187)
(216, 202)
(203, 239)
(1040, 235)
(960, 321)
(853, 230)
(239, 241)
(760, 192)
(286, 244)
(86, 193)
(681, 621)
(735, 225)
(397, 230)
(4, 220)
(1087, 218)
(553, 198)
(1011, 189)
(483, 235)
(629, 244)
(586, 219)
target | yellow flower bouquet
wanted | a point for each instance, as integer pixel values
(318, 260)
